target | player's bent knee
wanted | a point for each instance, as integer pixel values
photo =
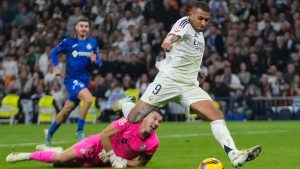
(216, 115)
(135, 118)
(88, 100)
(67, 110)
(212, 115)
(65, 113)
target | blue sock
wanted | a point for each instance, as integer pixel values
(54, 126)
(80, 124)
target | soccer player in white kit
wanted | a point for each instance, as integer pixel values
(177, 81)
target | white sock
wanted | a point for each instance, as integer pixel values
(126, 108)
(222, 135)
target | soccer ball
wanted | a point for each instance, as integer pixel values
(211, 163)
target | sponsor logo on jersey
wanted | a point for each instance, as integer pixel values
(75, 53)
(199, 46)
(197, 43)
(89, 46)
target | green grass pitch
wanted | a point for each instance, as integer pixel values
(183, 145)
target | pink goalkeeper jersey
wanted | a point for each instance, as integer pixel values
(129, 143)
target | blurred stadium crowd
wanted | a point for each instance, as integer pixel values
(252, 47)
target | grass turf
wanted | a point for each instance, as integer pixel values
(183, 145)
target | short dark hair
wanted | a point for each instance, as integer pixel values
(83, 19)
(159, 112)
(200, 4)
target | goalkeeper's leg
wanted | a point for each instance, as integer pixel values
(63, 159)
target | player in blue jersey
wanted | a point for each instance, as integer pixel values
(82, 54)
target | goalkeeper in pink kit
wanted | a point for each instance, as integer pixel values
(119, 145)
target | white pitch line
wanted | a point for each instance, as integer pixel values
(208, 134)
(30, 144)
(166, 136)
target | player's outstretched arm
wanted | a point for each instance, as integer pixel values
(105, 137)
(140, 162)
(54, 59)
(167, 43)
(95, 57)
(108, 154)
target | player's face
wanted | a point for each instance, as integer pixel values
(199, 19)
(82, 28)
(152, 121)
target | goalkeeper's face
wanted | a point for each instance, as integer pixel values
(82, 28)
(152, 122)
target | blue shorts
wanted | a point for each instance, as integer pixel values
(74, 87)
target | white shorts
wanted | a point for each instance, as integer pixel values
(163, 90)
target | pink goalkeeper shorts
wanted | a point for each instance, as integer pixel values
(87, 151)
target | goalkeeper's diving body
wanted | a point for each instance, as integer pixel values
(119, 145)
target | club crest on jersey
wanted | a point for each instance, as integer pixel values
(89, 46)
(82, 150)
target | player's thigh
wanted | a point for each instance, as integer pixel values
(66, 158)
(206, 110)
(73, 87)
(192, 94)
(159, 93)
(85, 95)
(198, 101)
(87, 151)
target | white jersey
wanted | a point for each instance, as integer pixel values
(183, 62)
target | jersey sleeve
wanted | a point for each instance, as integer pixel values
(96, 51)
(180, 27)
(121, 124)
(62, 46)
